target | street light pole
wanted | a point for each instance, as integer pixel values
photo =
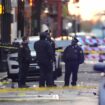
(20, 24)
(59, 17)
(5, 30)
(36, 14)
(103, 31)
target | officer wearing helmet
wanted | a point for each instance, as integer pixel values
(73, 56)
(45, 57)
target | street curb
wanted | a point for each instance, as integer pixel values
(3, 78)
(52, 97)
(6, 90)
(54, 94)
(30, 97)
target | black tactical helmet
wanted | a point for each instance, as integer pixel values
(43, 35)
(25, 38)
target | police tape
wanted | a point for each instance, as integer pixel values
(94, 52)
(61, 50)
(5, 90)
(88, 51)
(8, 47)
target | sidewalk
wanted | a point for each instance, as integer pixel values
(87, 92)
(54, 93)
(3, 75)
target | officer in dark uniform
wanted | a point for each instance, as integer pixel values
(45, 57)
(50, 40)
(24, 59)
(52, 43)
(73, 56)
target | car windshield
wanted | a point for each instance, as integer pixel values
(32, 40)
(31, 45)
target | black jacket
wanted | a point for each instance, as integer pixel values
(44, 51)
(24, 54)
(73, 53)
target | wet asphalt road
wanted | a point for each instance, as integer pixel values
(86, 77)
(52, 103)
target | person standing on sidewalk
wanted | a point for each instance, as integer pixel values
(73, 56)
(24, 59)
(45, 57)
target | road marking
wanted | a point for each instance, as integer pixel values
(57, 81)
(43, 96)
(26, 97)
(7, 90)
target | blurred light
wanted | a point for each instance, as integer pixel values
(1, 9)
(63, 38)
(75, 1)
(30, 2)
(69, 24)
(46, 10)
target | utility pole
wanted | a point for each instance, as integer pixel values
(20, 19)
(59, 17)
(6, 19)
(76, 24)
(36, 12)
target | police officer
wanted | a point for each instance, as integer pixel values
(24, 58)
(73, 56)
(45, 57)
(52, 43)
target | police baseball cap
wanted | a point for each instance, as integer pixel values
(75, 40)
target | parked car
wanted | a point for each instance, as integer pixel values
(33, 73)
